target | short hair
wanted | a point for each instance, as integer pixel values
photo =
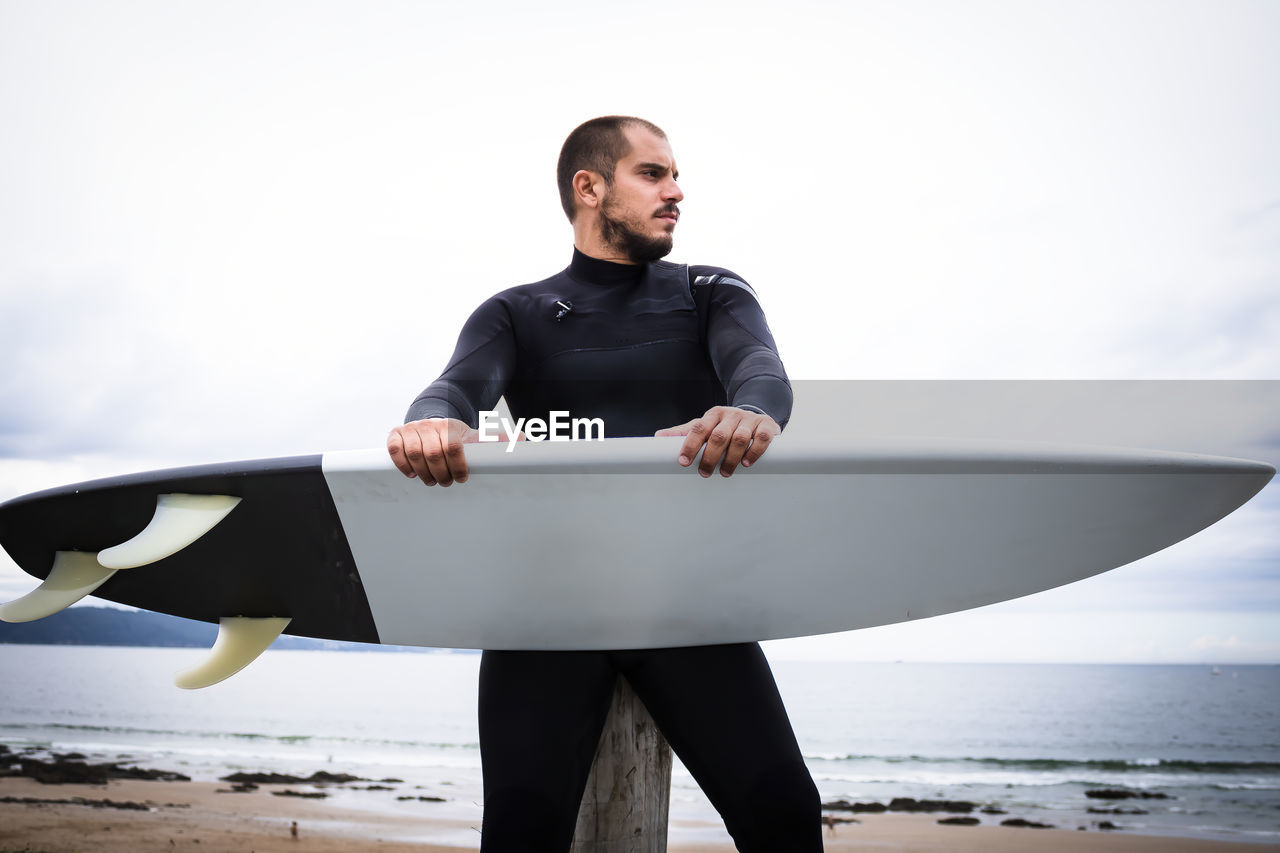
(597, 146)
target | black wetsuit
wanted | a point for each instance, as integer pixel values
(642, 347)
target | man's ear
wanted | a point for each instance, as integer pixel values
(587, 188)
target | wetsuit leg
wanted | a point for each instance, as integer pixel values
(541, 714)
(720, 709)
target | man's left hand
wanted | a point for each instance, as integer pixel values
(731, 436)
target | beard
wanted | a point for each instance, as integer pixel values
(624, 235)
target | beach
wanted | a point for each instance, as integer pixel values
(1173, 753)
(194, 816)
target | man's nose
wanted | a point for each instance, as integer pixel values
(672, 192)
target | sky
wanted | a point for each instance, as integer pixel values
(236, 230)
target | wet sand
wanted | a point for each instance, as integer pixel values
(193, 816)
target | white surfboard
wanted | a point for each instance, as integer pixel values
(609, 544)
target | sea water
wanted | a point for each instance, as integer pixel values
(1029, 740)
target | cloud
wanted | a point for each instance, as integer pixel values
(73, 348)
(997, 634)
(1210, 642)
(1260, 216)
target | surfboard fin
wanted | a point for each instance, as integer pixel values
(240, 640)
(179, 520)
(75, 574)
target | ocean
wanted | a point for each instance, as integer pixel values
(1027, 739)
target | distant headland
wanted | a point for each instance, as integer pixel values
(110, 626)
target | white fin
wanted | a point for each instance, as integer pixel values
(74, 575)
(240, 640)
(179, 521)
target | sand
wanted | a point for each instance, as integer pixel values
(192, 816)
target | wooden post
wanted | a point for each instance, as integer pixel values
(624, 809)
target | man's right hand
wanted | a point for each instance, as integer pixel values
(431, 450)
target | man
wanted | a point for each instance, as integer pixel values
(641, 344)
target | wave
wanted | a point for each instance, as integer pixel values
(1258, 770)
(1109, 765)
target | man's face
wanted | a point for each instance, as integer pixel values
(638, 213)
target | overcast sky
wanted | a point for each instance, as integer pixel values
(231, 230)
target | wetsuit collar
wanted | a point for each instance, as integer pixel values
(589, 270)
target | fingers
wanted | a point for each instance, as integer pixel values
(681, 429)
(738, 444)
(760, 443)
(450, 465)
(696, 435)
(408, 446)
(395, 449)
(722, 427)
(728, 437)
(431, 450)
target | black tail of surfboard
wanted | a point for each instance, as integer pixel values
(281, 552)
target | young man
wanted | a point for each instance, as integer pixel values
(649, 347)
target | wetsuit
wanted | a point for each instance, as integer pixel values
(642, 347)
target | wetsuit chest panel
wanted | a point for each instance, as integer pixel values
(598, 322)
(628, 354)
(619, 342)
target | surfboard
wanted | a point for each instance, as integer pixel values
(607, 544)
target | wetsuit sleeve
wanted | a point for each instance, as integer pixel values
(482, 363)
(741, 346)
